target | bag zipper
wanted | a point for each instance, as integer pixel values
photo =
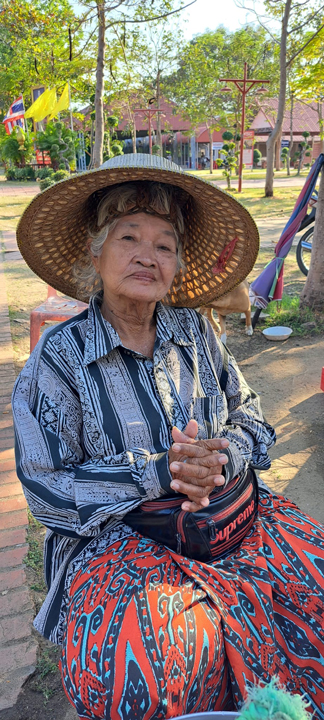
(180, 536)
(211, 528)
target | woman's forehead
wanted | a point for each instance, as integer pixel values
(140, 220)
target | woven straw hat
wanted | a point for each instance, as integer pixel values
(222, 238)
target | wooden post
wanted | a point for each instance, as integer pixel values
(242, 129)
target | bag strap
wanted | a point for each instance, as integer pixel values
(224, 374)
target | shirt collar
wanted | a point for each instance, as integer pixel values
(101, 338)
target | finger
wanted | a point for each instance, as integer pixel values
(214, 443)
(199, 468)
(189, 470)
(212, 461)
(191, 429)
(210, 445)
(197, 491)
(188, 434)
(192, 506)
(190, 449)
(210, 457)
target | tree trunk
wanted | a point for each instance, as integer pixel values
(99, 120)
(278, 152)
(158, 115)
(133, 126)
(211, 169)
(291, 132)
(276, 132)
(313, 293)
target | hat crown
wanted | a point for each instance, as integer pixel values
(140, 160)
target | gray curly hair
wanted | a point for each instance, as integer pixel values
(154, 198)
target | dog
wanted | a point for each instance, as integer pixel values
(236, 301)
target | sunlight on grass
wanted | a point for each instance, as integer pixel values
(289, 313)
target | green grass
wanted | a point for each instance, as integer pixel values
(47, 677)
(11, 209)
(34, 560)
(282, 203)
(257, 174)
(289, 313)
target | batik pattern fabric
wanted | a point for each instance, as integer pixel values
(93, 425)
(152, 635)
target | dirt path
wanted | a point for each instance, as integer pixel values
(287, 377)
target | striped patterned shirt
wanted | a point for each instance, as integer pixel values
(93, 424)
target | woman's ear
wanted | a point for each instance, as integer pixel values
(94, 259)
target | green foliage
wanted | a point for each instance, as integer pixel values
(16, 148)
(46, 183)
(156, 149)
(257, 155)
(289, 313)
(24, 173)
(195, 86)
(10, 173)
(60, 142)
(227, 135)
(35, 48)
(228, 159)
(112, 121)
(44, 172)
(60, 175)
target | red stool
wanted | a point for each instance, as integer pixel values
(322, 380)
(54, 308)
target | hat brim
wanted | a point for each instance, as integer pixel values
(53, 232)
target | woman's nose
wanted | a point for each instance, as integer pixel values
(146, 255)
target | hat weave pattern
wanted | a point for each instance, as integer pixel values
(222, 238)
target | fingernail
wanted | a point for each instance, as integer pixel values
(205, 502)
(174, 467)
(219, 480)
(224, 443)
(176, 448)
(223, 459)
(175, 485)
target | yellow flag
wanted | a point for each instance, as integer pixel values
(34, 107)
(47, 106)
(42, 106)
(62, 104)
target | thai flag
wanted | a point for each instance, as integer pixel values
(15, 115)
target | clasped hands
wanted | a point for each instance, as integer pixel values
(196, 466)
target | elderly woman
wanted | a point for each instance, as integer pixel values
(174, 582)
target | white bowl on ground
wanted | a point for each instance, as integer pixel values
(279, 332)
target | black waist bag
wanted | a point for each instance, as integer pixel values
(209, 533)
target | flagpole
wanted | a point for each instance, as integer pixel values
(25, 121)
(71, 118)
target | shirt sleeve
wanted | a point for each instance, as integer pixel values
(67, 491)
(249, 435)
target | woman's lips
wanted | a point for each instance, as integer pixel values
(143, 276)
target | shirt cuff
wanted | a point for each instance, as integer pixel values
(236, 462)
(163, 472)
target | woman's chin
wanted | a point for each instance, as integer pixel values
(144, 293)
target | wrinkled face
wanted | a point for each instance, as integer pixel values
(138, 259)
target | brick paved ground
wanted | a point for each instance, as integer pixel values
(18, 646)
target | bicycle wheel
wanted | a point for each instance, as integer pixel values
(304, 250)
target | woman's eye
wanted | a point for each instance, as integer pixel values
(128, 237)
(164, 248)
